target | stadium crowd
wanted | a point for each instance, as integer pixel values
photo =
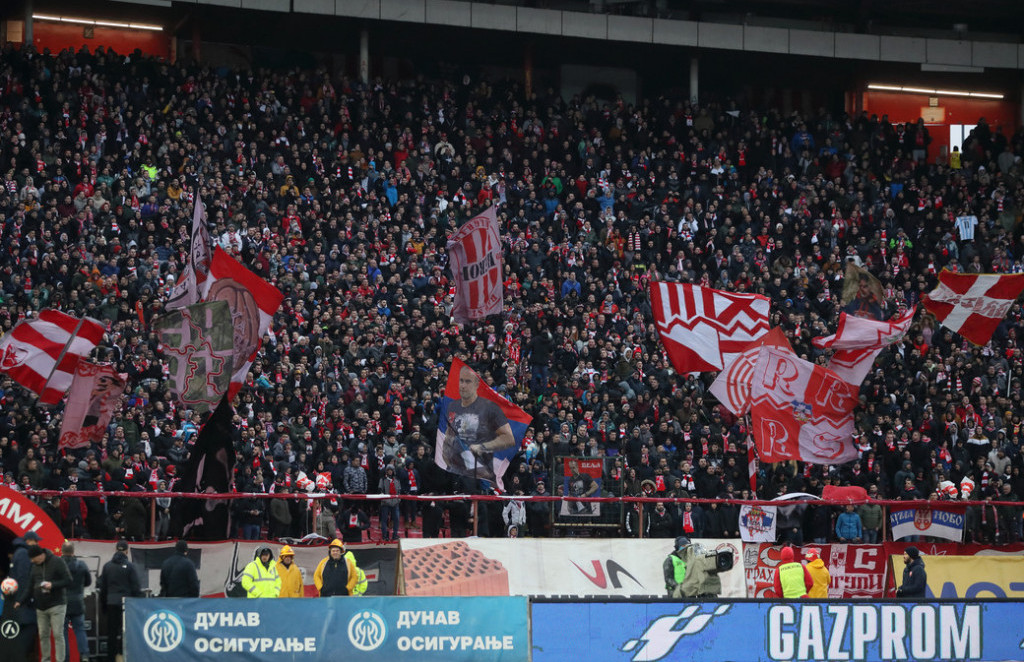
(343, 194)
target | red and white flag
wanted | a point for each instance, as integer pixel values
(253, 302)
(801, 411)
(704, 329)
(752, 466)
(95, 394)
(475, 255)
(192, 281)
(732, 386)
(858, 341)
(41, 354)
(973, 304)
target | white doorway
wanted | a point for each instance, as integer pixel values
(958, 134)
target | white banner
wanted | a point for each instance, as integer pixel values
(550, 567)
(937, 521)
(757, 523)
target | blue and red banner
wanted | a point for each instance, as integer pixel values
(478, 432)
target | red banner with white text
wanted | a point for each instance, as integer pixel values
(858, 571)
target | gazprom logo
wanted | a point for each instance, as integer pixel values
(366, 630)
(163, 631)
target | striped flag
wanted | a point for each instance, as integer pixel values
(475, 255)
(41, 354)
(732, 386)
(858, 341)
(752, 466)
(253, 302)
(704, 329)
(193, 278)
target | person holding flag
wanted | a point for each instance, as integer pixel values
(477, 429)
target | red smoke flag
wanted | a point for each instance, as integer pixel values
(801, 411)
(858, 341)
(703, 329)
(41, 354)
(475, 255)
(192, 281)
(95, 394)
(973, 304)
(253, 302)
(732, 386)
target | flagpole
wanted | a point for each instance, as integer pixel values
(60, 357)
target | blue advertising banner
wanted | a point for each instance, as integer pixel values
(326, 629)
(777, 632)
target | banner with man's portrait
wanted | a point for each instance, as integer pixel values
(478, 431)
(581, 478)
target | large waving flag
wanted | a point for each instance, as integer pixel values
(41, 354)
(478, 431)
(95, 394)
(199, 343)
(704, 329)
(858, 341)
(253, 302)
(209, 469)
(474, 252)
(801, 411)
(192, 281)
(973, 304)
(732, 386)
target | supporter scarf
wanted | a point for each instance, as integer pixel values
(687, 522)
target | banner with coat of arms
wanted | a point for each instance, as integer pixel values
(757, 523)
(939, 521)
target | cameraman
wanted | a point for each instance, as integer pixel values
(691, 572)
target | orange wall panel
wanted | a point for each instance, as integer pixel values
(59, 36)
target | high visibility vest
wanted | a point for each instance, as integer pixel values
(791, 576)
(678, 569)
(260, 581)
(361, 583)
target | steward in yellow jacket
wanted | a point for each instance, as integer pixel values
(337, 573)
(259, 578)
(291, 576)
(819, 573)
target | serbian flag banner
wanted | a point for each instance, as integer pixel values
(95, 394)
(703, 329)
(732, 386)
(474, 252)
(253, 302)
(801, 411)
(41, 354)
(858, 341)
(973, 304)
(478, 431)
(192, 281)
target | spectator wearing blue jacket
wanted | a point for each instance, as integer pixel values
(848, 526)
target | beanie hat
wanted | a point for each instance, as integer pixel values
(912, 552)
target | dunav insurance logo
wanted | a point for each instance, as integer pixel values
(662, 635)
(367, 630)
(163, 631)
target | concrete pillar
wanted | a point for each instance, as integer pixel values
(364, 55)
(28, 38)
(694, 79)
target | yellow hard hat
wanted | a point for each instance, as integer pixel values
(337, 543)
(286, 551)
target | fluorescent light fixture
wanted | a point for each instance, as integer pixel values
(933, 92)
(102, 24)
